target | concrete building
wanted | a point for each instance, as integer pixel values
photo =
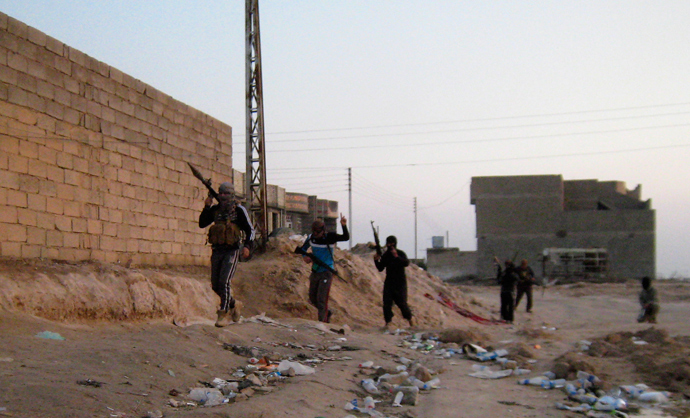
(584, 227)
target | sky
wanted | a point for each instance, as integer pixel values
(418, 96)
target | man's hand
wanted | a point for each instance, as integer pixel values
(377, 257)
(343, 220)
(209, 200)
(245, 252)
(393, 252)
(307, 259)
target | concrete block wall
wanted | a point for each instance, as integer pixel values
(93, 161)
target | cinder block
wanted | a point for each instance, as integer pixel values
(50, 253)
(35, 236)
(55, 46)
(17, 96)
(10, 249)
(17, 62)
(13, 232)
(36, 36)
(8, 144)
(63, 223)
(94, 226)
(26, 217)
(37, 70)
(54, 238)
(55, 110)
(9, 180)
(63, 65)
(9, 214)
(19, 164)
(36, 202)
(54, 206)
(109, 230)
(17, 198)
(26, 82)
(71, 240)
(77, 56)
(72, 209)
(47, 155)
(31, 251)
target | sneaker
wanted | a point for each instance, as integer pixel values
(223, 318)
(413, 322)
(236, 311)
(388, 327)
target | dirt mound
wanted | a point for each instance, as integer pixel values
(275, 282)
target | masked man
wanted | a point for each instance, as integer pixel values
(230, 236)
(395, 285)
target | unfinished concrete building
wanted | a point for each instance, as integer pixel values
(581, 228)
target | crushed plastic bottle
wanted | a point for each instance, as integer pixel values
(479, 367)
(369, 403)
(609, 403)
(366, 365)
(410, 394)
(519, 372)
(370, 386)
(549, 375)
(589, 377)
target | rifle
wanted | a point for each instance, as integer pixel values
(376, 240)
(207, 182)
(316, 260)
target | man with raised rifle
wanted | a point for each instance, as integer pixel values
(322, 269)
(395, 285)
(230, 221)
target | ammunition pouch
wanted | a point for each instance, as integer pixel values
(224, 233)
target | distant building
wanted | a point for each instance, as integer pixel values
(575, 227)
(301, 210)
(451, 263)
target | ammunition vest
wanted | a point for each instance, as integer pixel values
(224, 233)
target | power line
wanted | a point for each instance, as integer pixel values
(577, 112)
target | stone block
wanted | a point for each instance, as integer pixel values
(28, 149)
(71, 240)
(17, 198)
(94, 227)
(72, 209)
(55, 110)
(17, 62)
(26, 82)
(53, 45)
(77, 56)
(9, 180)
(37, 70)
(36, 36)
(37, 103)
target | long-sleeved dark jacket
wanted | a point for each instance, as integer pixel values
(241, 218)
(395, 266)
(507, 278)
(321, 247)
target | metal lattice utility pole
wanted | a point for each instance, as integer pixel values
(255, 178)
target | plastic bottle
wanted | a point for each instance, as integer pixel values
(501, 353)
(370, 386)
(394, 378)
(570, 389)
(609, 403)
(550, 384)
(549, 375)
(589, 377)
(532, 381)
(410, 394)
(416, 382)
(366, 365)
(655, 397)
(398, 398)
(632, 391)
(369, 403)
(432, 384)
(519, 372)
(479, 367)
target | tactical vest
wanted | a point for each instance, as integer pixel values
(224, 233)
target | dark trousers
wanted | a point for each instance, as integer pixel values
(319, 289)
(527, 291)
(223, 267)
(395, 293)
(507, 306)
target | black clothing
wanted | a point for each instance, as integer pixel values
(507, 279)
(224, 258)
(395, 285)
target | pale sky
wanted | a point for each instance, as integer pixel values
(419, 96)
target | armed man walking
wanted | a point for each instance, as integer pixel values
(524, 284)
(321, 243)
(507, 279)
(230, 221)
(395, 285)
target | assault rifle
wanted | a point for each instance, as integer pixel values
(206, 182)
(376, 240)
(316, 260)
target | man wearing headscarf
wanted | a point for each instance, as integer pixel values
(230, 236)
(395, 285)
(321, 243)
